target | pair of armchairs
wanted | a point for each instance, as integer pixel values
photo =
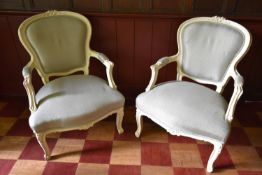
(208, 52)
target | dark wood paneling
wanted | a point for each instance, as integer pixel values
(10, 71)
(133, 43)
(161, 42)
(175, 6)
(207, 6)
(104, 40)
(127, 5)
(85, 5)
(12, 4)
(125, 50)
(249, 7)
(51, 4)
(143, 47)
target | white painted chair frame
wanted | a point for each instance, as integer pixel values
(35, 64)
(231, 72)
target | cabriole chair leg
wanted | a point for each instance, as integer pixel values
(119, 120)
(139, 121)
(216, 151)
(41, 138)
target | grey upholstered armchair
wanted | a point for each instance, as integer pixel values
(58, 44)
(208, 52)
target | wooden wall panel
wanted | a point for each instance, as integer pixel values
(10, 71)
(125, 53)
(176, 6)
(133, 43)
(12, 4)
(127, 5)
(103, 40)
(161, 42)
(249, 7)
(51, 4)
(207, 6)
(85, 5)
(142, 53)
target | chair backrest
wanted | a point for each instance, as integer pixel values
(209, 47)
(57, 41)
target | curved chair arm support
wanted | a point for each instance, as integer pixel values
(155, 68)
(27, 74)
(238, 90)
(109, 67)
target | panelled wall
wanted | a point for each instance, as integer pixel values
(250, 7)
(133, 41)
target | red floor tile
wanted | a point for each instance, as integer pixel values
(96, 152)
(14, 109)
(223, 160)
(6, 166)
(20, 128)
(33, 151)
(75, 134)
(155, 154)
(129, 134)
(189, 171)
(180, 139)
(124, 170)
(238, 136)
(249, 173)
(58, 168)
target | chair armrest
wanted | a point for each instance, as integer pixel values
(238, 91)
(155, 68)
(109, 67)
(27, 74)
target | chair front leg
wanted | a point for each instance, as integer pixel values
(41, 138)
(119, 120)
(139, 121)
(215, 153)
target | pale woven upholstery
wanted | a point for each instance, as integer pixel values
(58, 45)
(73, 101)
(208, 49)
(59, 40)
(188, 108)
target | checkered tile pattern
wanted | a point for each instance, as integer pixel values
(101, 151)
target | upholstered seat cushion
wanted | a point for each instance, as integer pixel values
(73, 101)
(185, 107)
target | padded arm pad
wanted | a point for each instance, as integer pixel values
(155, 68)
(109, 67)
(27, 74)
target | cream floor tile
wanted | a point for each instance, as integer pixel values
(11, 146)
(185, 155)
(126, 153)
(92, 168)
(245, 157)
(28, 167)
(68, 150)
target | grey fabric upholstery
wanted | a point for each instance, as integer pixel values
(188, 108)
(59, 39)
(73, 101)
(208, 49)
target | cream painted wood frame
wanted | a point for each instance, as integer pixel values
(34, 63)
(231, 72)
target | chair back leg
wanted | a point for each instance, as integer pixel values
(119, 120)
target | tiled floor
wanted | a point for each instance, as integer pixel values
(101, 151)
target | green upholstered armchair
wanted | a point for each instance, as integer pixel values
(58, 44)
